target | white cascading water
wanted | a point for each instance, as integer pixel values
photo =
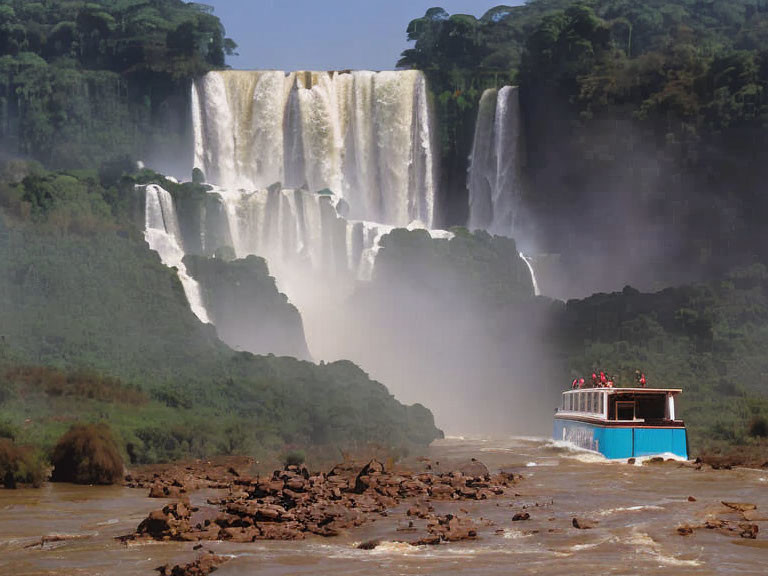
(313, 252)
(163, 235)
(364, 135)
(297, 227)
(495, 174)
(495, 165)
(528, 262)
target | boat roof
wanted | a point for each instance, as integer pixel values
(632, 390)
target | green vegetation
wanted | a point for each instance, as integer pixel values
(295, 458)
(245, 306)
(478, 266)
(639, 118)
(81, 82)
(93, 328)
(709, 340)
(87, 455)
(645, 130)
(20, 465)
(462, 56)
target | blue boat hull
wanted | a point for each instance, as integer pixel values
(625, 442)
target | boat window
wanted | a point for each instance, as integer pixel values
(582, 402)
(589, 401)
(602, 400)
(651, 406)
(570, 401)
(625, 410)
(595, 396)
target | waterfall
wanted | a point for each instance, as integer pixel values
(494, 174)
(535, 282)
(163, 235)
(364, 135)
(296, 228)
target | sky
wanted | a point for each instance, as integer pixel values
(328, 34)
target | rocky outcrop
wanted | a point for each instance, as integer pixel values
(292, 503)
(584, 524)
(735, 519)
(244, 303)
(452, 528)
(202, 566)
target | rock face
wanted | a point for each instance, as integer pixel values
(292, 503)
(87, 454)
(244, 303)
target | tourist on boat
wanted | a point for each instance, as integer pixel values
(603, 379)
(642, 380)
(581, 382)
(640, 377)
(575, 384)
(594, 380)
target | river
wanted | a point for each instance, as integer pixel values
(71, 530)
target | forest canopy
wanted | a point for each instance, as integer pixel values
(659, 106)
(81, 82)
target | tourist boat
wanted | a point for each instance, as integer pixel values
(622, 422)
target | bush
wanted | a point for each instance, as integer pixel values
(19, 464)
(8, 430)
(295, 458)
(87, 454)
(758, 428)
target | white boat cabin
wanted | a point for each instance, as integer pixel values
(636, 405)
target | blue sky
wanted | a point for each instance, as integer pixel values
(327, 34)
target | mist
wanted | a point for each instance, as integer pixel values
(432, 338)
(448, 320)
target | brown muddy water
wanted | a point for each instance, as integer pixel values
(69, 530)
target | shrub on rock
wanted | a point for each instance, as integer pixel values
(19, 465)
(295, 458)
(87, 454)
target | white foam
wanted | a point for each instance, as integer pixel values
(621, 509)
(588, 545)
(391, 548)
(514, 534)
(666, 455)
(648, 546)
